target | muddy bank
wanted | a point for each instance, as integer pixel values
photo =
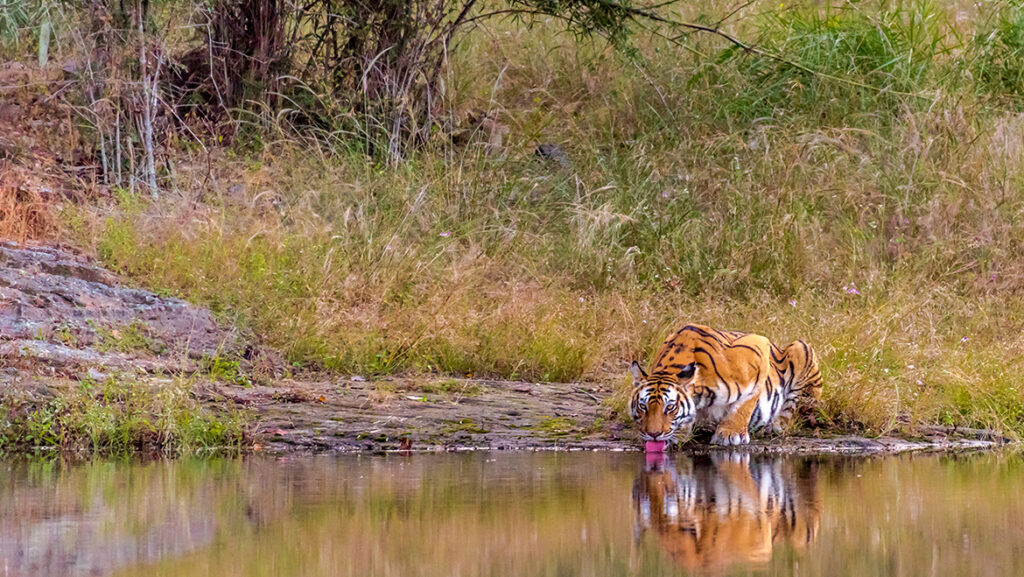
(464, 414)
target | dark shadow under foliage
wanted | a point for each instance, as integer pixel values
(379, 62)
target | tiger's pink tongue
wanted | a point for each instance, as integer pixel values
(655, 446)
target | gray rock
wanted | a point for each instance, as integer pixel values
(57, 309)
(555, 153)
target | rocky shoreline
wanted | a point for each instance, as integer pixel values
(417, 414)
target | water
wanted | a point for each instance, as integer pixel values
(518, 514)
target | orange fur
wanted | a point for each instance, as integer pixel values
(732, 380)
(716, 516)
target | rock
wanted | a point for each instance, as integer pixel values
(555, 153)
(58, 309)
(481, 128)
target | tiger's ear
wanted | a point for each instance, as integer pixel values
(638, 373)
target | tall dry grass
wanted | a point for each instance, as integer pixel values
(25, 214)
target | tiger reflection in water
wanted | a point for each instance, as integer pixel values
(710, 513)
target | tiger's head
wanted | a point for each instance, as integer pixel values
(660, 404)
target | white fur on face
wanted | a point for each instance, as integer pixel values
(679, 406)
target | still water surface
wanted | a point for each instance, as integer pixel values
(516, 514)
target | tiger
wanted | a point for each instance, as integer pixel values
(714, 512)
(736, 382)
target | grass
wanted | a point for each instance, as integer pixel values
(453, 390)
(115, 417)
(998, 54)
(24, 213)
(132, 337)
(221, 368)
(557, 427)
(873, 59)
(872, 210)
(464, 426)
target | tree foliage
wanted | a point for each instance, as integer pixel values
(379, 61)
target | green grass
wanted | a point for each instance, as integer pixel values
(115, 417)
(464, 426)
(133, 337)
(997, 53)
(453, 389)
(221, 368)
(874, 62)
(557, 427)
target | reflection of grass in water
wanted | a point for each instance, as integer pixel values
(116, 417)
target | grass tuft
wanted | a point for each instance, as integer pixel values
(840, 61)
(997, 56)
(115, 417)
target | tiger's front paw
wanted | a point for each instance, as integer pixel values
(726, 438)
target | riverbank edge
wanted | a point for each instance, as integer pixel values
(847, 445)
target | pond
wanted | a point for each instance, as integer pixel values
(512, 514)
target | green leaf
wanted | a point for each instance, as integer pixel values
(44, 39)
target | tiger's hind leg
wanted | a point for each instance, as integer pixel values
(804, 383)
